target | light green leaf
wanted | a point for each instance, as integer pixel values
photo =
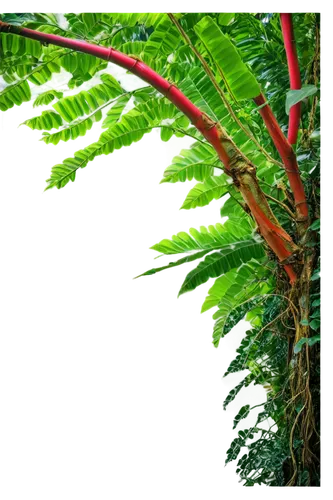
(237, 75)
(166, 134)
(225, 19)
(131, 128)
(226, 289)
(200, 90)
(47, 97)
(196, 162)
(184, 260)
(229, 257)
(232, 207)
(212, 188)
(295, 96)
(19, 92)
(212, 238)
(76, 113)
(236, 303)
(163, 40)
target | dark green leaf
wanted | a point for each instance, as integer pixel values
(315, 276)
(315, 324)
(315, 225)
(316, 303)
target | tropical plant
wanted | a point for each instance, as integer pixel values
(204, 76)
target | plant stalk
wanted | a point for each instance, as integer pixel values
(294, 74)
(289, 160)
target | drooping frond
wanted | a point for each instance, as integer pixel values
(218, 263)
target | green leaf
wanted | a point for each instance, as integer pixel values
(137, 123)
(115, 112)
(315, 225)
(184, 260)
(224, 54)
(295, 96)
(16, 19)
(133, 48)
(316, 313)
(226, 288)
(200, 90)
(233, 393)
(85, 102)
(310, 341)
(131, 128)
(45, 121)
(19, 92)
(212, 188)
(232, 207)
(315, 276)
(132, 19)
(229, 257)
(196, 162)
(315, 324)
(212, 238)
(163, 40)
(46, 97)
(243, 413)
(64, 172)
(82, 66)
(225, 19)
(235, 295)
(166, 134)
(316, 303)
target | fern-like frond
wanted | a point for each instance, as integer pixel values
(183, 260)
(197, 162)
(202, 194)
(212, 238)
(19, 90)
(131, 128)
(233, 294)
(218, 263)
(237, 75)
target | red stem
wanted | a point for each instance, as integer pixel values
(294, 74)
(288, 157)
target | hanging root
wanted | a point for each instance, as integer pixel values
(303, 425)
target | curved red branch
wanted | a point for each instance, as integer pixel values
(281, 243)
(294, 74)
